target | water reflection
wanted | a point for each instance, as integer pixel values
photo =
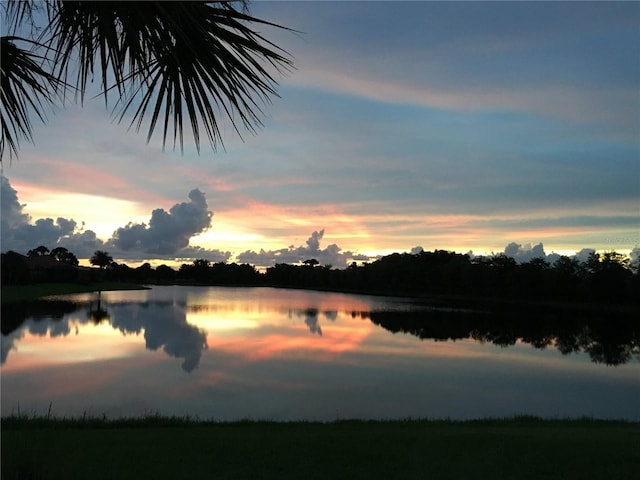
(179, 325)
(163, 324)
(611, 340)
(291, 355)
(311, 319)
(97, 314)
(14, 314)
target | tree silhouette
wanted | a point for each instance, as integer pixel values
(13, 269)
(63, 255)
(175, 62)
(38, 251)
(101, 259)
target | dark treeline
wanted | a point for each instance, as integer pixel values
(604, 278)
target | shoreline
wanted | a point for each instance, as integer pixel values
(34, 291)
(22, 293)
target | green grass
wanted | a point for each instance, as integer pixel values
(19, 293)
(159, 448)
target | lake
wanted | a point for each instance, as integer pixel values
(282, 354)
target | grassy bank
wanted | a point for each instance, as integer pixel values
(520, 448)
(19, 293)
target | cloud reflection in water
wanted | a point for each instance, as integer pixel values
(375, 358)
(165, 326)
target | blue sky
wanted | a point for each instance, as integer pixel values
(454, 125)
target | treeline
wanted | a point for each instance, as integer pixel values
(201, 271)
(603, 278)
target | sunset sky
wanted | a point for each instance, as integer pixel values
(458, 126)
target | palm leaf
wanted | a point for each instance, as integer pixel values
(25, 88)
(169, 63)
(190, 60)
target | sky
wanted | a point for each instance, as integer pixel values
(481, 127)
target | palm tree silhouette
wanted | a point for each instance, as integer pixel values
(101, 259)
(175, 62)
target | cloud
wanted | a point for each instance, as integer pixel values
(213, 255)
(167, 232)
(524, 253)
(634, 256)
(331, 255)
(446, 58)
(583, 255)
(19, 234)
(527, 252)
(12, 214)
(166, 235)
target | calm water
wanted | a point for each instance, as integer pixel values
(262, 353)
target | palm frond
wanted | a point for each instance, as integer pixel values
(25, 88)
(170, 63)
(185, 59)
(20, 13)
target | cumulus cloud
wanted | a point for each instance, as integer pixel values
(167, 232)
(524, 253)
(527, 252)
(19, 234)
(583, 255)
(331, 255)
(166, 235)
(634, 255)
(12, 214)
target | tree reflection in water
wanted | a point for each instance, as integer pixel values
(97, 314)
(164, 324)
(612, 338)
(608, 337)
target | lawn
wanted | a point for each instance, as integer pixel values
(156, 448)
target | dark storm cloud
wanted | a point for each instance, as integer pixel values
(167, 232)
